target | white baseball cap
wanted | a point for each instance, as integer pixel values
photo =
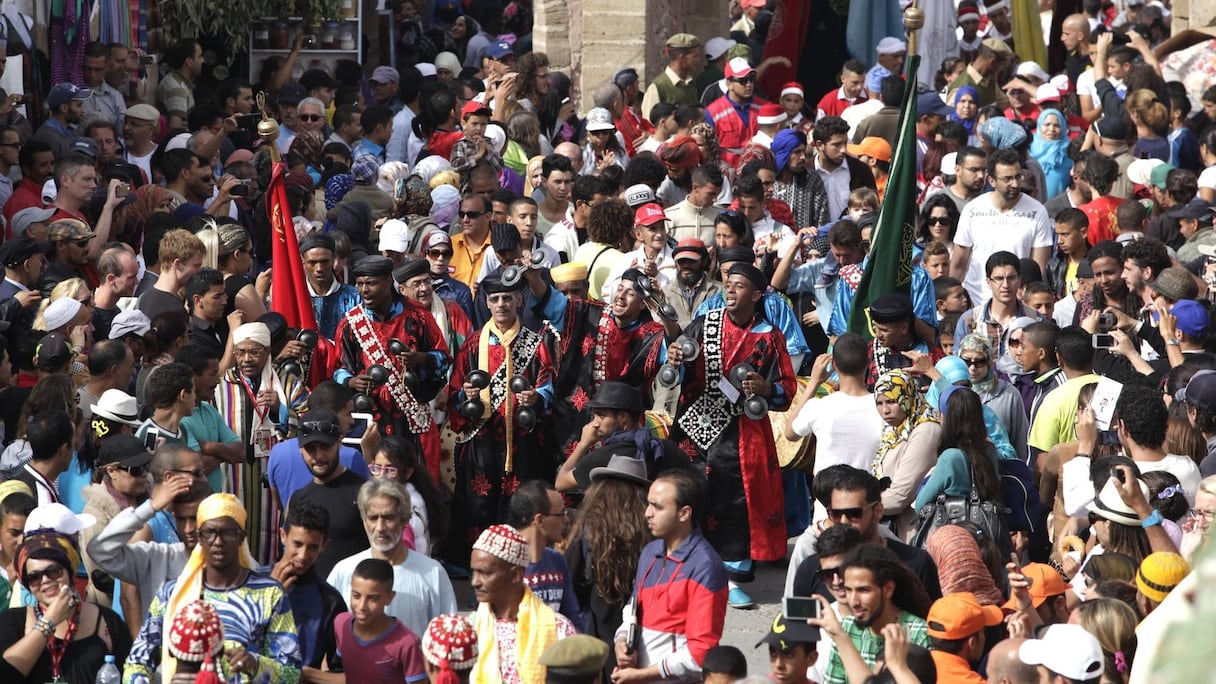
(394, 236)
(56, 516)
(1066, 650)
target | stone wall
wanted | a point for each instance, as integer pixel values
(1192, 14)
(593, 38)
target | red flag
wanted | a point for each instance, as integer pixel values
(786, 37)
(288, 289)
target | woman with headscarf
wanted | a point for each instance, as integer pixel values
(336, 188)
(950, 371)
(907, 447)
(62, 637)
(960, 565)
(308, 145)
(445, 202)
(995, 393)
(1050, 148)
(534, 181)
(260, 629)
(428, 167)
(508, 178)
(966, 108)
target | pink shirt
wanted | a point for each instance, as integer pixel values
(392, 657)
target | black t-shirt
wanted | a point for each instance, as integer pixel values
(156, 301)
(806, 579)
(102, 320)
(346, 533)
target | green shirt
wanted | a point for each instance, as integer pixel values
(870, 645)
(207, 425)
(1056, 420)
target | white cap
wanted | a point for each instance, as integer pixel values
(118, 406)
(1066, 650)
(60, 312)
(717, 46)
(1139, 170)
(133, 322)
(599, 119)
(1046, 93)
(891, 46)
(1029, 68)
(49, 191)
(426, 69)
(181, 141)
(637, 195)
(949, 164)
(56, 516)
(394, 236)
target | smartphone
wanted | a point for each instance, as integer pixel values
(355, 434)
(1103, 341)
(241, 190)
(565, 100)
(150, 438)
(122, 190)
(799, 608)
(1117, 474)
(248, 120)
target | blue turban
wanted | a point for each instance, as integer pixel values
(1003, 133)
(874, 78)
(784, 143)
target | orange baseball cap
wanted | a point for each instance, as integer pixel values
(1045, 583)
(958, 616)
(872, 146)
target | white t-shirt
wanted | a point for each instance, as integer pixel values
(423, 588)
(987, 230)
(1085, 86)
(1180, 467)
(846, 429)
(1207, 178)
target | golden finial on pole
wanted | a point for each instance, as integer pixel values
(914, 21)
(268, 129)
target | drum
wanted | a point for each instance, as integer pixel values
(799, 455)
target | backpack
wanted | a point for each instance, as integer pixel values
(1023, 508)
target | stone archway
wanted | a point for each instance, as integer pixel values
(590, 39)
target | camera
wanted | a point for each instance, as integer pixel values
(1107, 322)
(1103, 341)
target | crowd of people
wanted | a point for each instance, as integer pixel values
(602, 366)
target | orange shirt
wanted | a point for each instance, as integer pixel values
(467, 258)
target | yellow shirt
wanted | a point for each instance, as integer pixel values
(467, 258)
(1055, 423)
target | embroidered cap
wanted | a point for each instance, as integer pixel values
(504, 543)
(450, 639)
(196, 633)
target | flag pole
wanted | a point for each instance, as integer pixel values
(914, 21)
(268, 127)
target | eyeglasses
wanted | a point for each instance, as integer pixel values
(472, 214)
(939, 220)
(1015, 341)
(228, 534)
(975, 363)
(34, 577)
(196, 474)
(1200, 515)
(311, 117)
(1005, 278)
(828, 575)
(251, 353)
(382, 470)
(850, 513)
(323, 427)
(133, 471)
(16, 144)
(439, 254)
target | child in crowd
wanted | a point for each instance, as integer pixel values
(936, 260)
(663, 117)
(473, 146)
(723, 665)
(1038, 296)
(791, 649)
(862, 201)
(950, 295)
(375, 647)
(946, 324)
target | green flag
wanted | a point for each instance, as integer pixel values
(889, 268)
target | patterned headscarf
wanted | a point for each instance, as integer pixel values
(336, 188)
(308, 144)
(47, 544)
(417, 196)
(900, 387)
(710, 137)
(1003, 133)
(980, 344)
(386, 178)
(960, 565)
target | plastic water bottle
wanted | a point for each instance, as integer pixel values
(109, 674)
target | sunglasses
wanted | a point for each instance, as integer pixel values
(34, 578)
(975, 363)
(323, 427)
(378, 470)
(311, 117)
(196, 474)
(745, 79)
(439, 253)
(228, 534)
(82, 242)
(829, 575)
(939, 220)
(472, 214)
(850, 513)
(1015, 341)
(134, 471)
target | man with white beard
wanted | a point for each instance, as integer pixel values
(422, 589)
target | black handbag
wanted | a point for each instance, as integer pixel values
(989, 516)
